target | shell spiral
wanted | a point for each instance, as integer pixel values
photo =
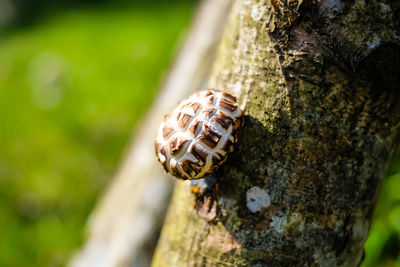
(195, 138)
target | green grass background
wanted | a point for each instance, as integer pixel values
(72, 86)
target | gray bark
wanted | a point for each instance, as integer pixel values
(124, 227)
(319, 85)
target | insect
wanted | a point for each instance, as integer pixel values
(195, 138)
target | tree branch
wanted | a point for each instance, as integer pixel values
(126, 222)
(319, 84)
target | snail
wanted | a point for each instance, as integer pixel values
(196, 137)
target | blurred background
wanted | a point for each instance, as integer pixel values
(75, 77)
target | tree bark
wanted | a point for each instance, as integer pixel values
(126, 223)
(319, 85)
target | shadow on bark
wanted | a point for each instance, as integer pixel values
(269, 203)
(228, 188)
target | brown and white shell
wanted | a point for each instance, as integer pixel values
(195, 138)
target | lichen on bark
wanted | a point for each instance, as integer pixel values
(319, 85)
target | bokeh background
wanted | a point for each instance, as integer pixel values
(75, 77)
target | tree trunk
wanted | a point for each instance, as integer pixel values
(124, 227)
(319, 85)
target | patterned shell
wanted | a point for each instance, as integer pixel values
(195, 138)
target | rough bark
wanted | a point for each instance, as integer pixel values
(124, 227)
(319, 84)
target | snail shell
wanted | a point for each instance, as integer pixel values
(195, 138)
